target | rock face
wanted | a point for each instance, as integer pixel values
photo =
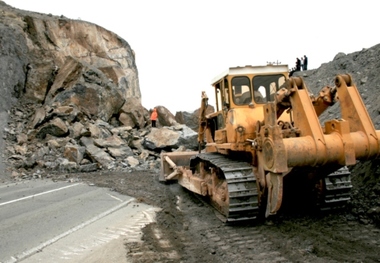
(70, 100)
(53, 53)
(57, 62)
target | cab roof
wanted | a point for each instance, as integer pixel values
(235, 71)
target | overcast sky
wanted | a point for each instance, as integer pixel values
(181, 45)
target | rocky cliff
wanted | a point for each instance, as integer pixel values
(60, 65)
(71, 101)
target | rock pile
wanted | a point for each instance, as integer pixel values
(65, 139)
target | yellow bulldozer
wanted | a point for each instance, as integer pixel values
(265, 145)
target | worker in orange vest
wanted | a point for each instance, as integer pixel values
(153, 117)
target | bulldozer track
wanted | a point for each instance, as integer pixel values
(242, 187)
(243, 194)
(337, 189)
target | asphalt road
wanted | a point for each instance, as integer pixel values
(46, 221)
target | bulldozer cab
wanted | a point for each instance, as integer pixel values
(240, 95)
(248, 86)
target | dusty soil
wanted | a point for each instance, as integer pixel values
(187, 229)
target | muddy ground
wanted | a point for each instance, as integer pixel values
(187, 229)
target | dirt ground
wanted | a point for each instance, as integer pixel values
(188, 230)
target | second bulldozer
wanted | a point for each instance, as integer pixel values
(265, 146)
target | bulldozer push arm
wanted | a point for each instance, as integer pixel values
(342, 141)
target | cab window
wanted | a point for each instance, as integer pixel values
(241, 90)
(266, 86)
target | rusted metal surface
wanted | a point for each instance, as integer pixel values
(232, 184)
(342, 142)
(180, 160)
(275, 191)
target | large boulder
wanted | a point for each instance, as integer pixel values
(165, 117)
(87, 89)
(133, 114)
(168, 138)
(191, 119)
(54, 39)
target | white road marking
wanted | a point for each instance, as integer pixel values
(34, 250)
(93, 242)
(43, 193)
(114, 197)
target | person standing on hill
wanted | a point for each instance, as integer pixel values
(153, 117)
(298, 64)
(304, 63)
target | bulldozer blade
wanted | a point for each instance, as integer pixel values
(275, 191)
(172, 164)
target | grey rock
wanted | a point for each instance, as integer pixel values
(87, 168)
(55, 127)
